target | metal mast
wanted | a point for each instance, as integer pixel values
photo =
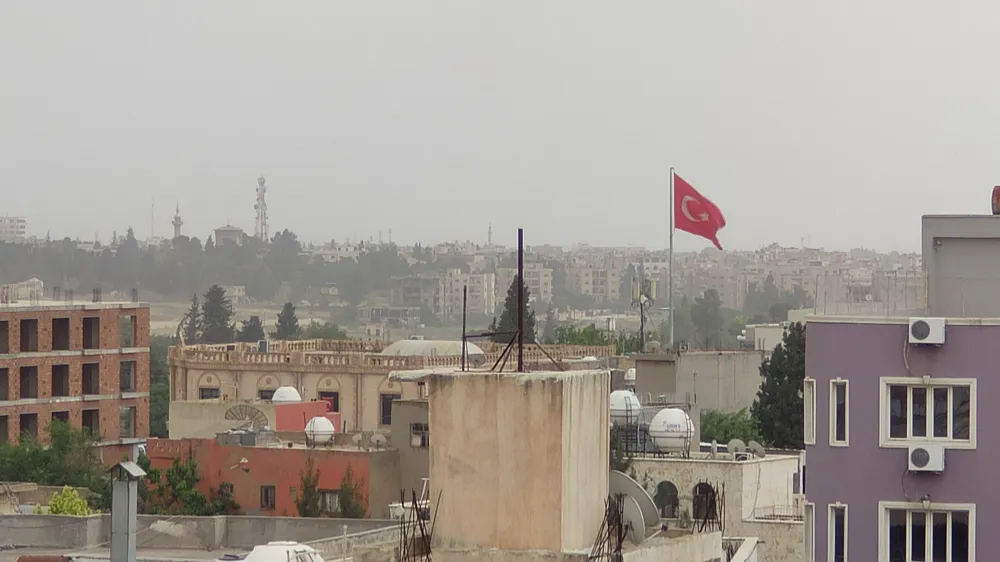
(260, 226)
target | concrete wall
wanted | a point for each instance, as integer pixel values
(177, 532)
(503, 450)
(414, 460)
(715, 380)
(203, 419)
(961, 258)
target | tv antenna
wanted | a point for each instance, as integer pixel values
(260, 229)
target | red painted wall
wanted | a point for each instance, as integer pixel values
(293, 417)
(267, 466)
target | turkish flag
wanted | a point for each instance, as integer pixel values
(694, 213)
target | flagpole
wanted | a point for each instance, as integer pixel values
(670, 264)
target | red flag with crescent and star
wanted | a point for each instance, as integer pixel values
(694, 213)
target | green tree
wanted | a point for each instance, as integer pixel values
(620, 458)
(778, 411)
(287, 325)
(159, 385)
(217, 316)
(309, 501)
(192, 323)
(508, 318)
(723, 427)
(68, 502)
(549, 329)
(251, 331)
(350, 497)
(706, 314)
(323, 331)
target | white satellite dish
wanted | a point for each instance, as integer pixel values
(621, 483)
(357, 439)
(632, 516)
(736, 446)
(757, 449)
(379, 440)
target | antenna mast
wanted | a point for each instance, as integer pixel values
(260, 226)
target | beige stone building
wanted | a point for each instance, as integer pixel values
(537, 277)
(351, 374)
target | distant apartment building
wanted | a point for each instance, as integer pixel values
(537, 278)
(13, 229)
(604, 284)
(85, 364)
(480, 295)
(420, 292)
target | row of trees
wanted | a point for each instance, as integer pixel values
(211, 321)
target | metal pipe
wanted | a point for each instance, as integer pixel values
(520, 300)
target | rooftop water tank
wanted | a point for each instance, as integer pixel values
(625, 407)
(286, 395)
(320, 430)
(671, 430)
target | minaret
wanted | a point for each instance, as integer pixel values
(260, 226)
(177, 221)
(489, 236)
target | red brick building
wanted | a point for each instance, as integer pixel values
(268, 482)
(86, 364)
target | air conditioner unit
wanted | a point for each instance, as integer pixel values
(927, 331)
(926, 458)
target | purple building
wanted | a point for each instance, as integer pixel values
(895, 469)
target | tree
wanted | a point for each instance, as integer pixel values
(175, 491)
(192, 323)
(620, 459)
(287, 325)
(508, 318)
(68, 502)
(159, 385)
(549, 329)
(706, 314)
(724, 427)
(309, 501)
(350, 498)
(325, 331)
(778, 411)
(251, 331)
(217, 316)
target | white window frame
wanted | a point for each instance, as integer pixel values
(833, 413)
(809, 540)
(830, 529)
(809, 403)
(887, 442)
(883, 523)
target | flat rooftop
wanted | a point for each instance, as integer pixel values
(142, 554)
(421, 374)
(48, 305)
(903, 320)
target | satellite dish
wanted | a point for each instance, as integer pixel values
(379, 440)
(357, 439)
(621, 483)
(251, 417)
(757, 449)
(736, 446)
(632, 517)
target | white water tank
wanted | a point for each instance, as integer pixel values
(286, 395)
(625, 407)
(671, 430)
(320, 430)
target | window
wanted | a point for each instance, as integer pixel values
(809, 402)
(267, 495)
(4, 384)
(91, 378)
(4, 336)
(333, 398)
(60, 380)
(837, 533)
(208, 393)
(944, 410)
(4, 429)
(839, 429)
(419, 435)
(29, 335)
(810, 529)
(126, 422)
(29, 426)
(126, 376)
(385, 410)
(265, 394)
(91, 333)
(29, 382)
(329, 501)
(908, 532)
(91, 422)
(60, 334)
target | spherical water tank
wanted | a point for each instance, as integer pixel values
(320, 430)
(671, 430)
(625, 407)
(630, 375)
(286, 395)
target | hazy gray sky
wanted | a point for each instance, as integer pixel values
(838, 121)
